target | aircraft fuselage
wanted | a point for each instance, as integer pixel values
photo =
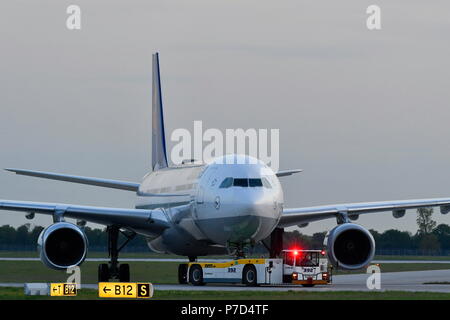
(234, 200)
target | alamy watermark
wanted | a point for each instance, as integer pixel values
(374, 280)
(73, 21)
(373, 21)
(206, 145)
(75, 276)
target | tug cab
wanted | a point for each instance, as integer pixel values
(306, 267)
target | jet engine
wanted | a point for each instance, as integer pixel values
(62, 245)
(349, 246)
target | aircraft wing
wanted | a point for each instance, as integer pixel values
(107, 183)
(153, 222)
(299, 216)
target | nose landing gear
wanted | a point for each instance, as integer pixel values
(238, 249)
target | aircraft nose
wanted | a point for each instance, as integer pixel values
(257, 204)
(241, 215)
(259, 213)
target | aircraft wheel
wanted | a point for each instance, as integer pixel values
(103, 272)
(249, 276)
(124, 272)
(182, 273)
(196, 275)
(287, 279)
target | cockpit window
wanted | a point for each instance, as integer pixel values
(243, 182)
(255, 183)
(240, 182)
(266, 183)
(226, 183)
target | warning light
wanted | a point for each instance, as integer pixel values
(322, 252)
(295, 252)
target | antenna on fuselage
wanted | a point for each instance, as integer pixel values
(159, 155)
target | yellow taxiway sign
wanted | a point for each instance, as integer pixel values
(125, 290)
(63, 289)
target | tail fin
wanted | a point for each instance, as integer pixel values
(159, 155)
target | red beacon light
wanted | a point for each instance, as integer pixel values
(322, 252)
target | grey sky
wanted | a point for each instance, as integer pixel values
(364, 113)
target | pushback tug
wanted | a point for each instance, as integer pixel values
(299, 267)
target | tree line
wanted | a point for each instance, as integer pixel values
(27, 237)
(429, 237)
(438, 239)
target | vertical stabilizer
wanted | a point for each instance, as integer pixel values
(159, 155)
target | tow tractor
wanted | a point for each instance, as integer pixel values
(300, 267)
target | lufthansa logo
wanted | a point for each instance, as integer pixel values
(217, 202)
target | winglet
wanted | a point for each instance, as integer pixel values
(284, 173)
(159, 155)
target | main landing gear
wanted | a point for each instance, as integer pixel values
(113, 270)
(275, 246)
(276, 242)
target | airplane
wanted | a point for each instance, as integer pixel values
(196, 209)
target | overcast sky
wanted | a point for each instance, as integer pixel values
(364, 113)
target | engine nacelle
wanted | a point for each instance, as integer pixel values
(349, 246)
(398, 213)
(62, 245)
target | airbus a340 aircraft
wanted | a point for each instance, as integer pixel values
(200, 209)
